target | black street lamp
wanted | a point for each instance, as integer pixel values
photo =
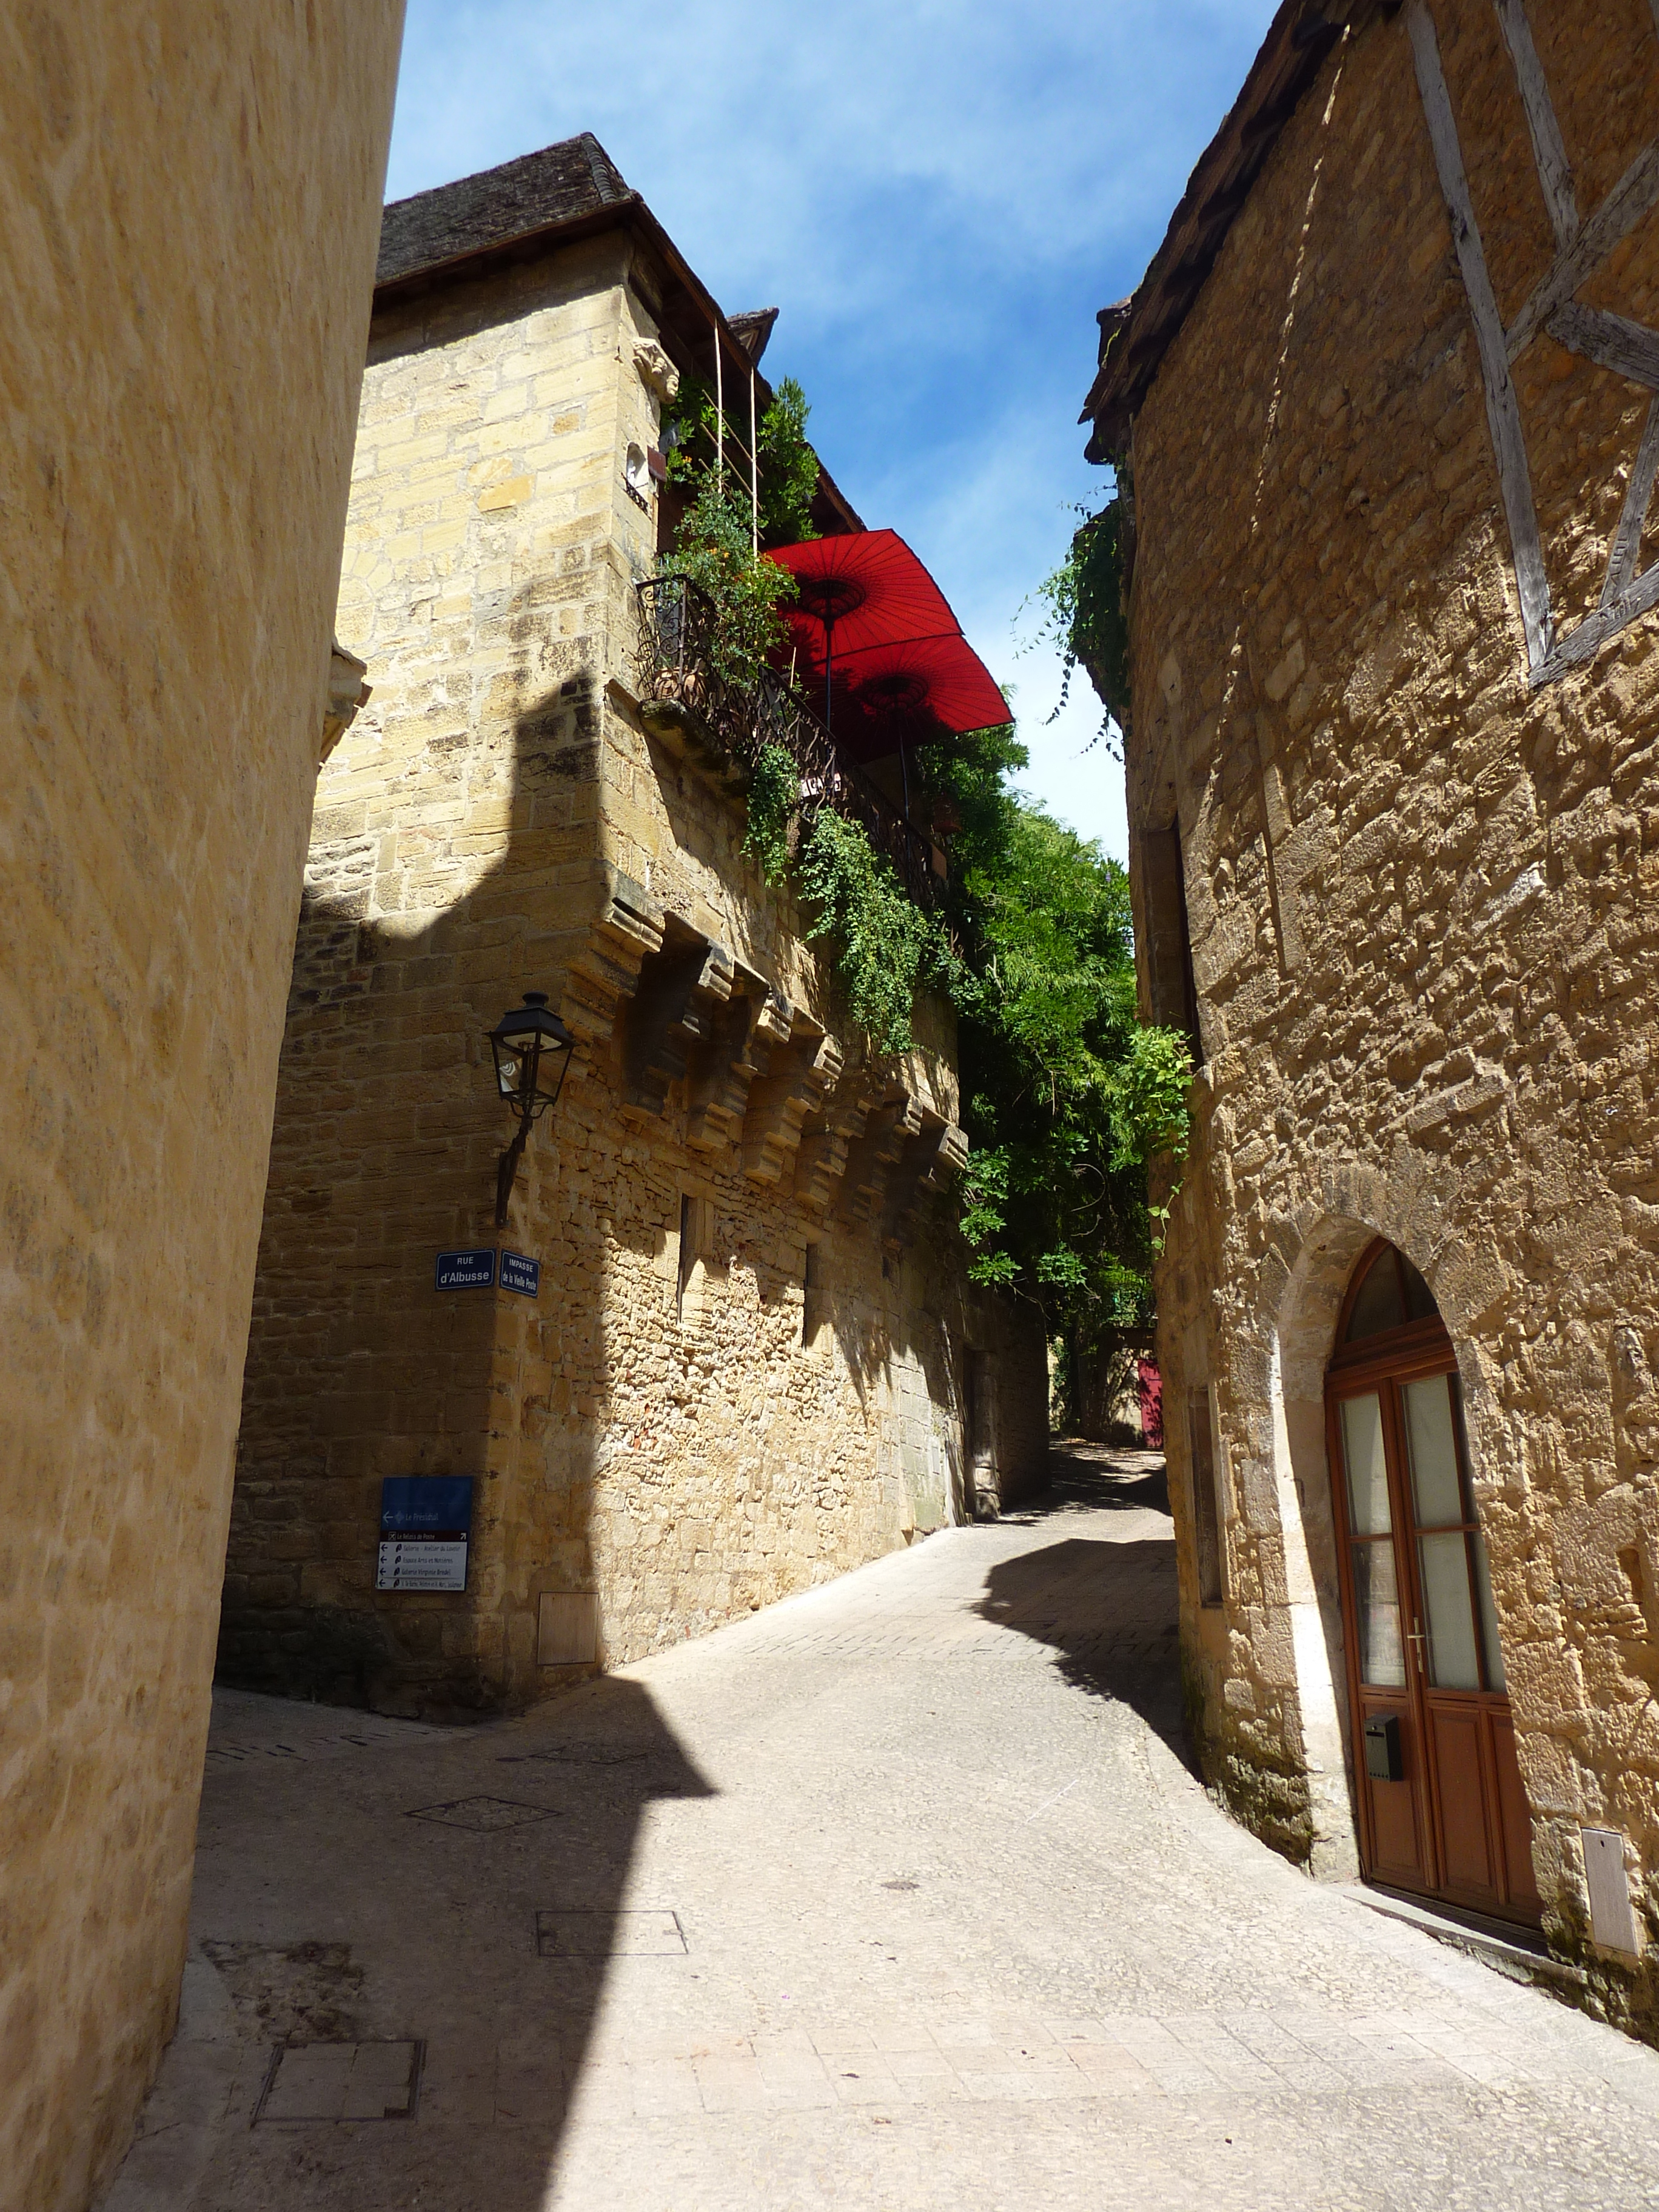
(532, 1049)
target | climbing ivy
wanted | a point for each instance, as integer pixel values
(883, 943)
(1085, 617)
(774, 795)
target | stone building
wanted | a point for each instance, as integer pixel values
(1383, 415)
(191, 203)
(753, 1358)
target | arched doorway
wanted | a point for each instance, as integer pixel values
(1441, 1807)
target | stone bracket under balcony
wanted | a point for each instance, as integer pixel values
(932, 1159)
(677, 1007)
(743, 1034)
(626, 931)
(798, 1076)
(827, 1136)
(873, 1156)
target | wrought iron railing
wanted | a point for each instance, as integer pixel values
(681, 663)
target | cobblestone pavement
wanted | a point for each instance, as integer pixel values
(896, 1894)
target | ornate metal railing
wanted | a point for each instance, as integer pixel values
(680, 666)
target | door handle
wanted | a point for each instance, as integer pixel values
(1414, 1635)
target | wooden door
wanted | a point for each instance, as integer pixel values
(1441, 1807)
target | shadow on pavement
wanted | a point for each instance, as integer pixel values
(1107, 1607)
(467, 1892)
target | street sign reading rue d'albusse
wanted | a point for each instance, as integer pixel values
(474, 1270)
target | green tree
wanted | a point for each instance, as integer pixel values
(788, 466)
(1066, 1095)
(712, 549)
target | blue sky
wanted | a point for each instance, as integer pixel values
(937, 195)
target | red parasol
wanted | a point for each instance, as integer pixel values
(892, 697)
(863, 588)
(870, 622)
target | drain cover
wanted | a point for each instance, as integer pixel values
(610, 1935)
(342, 2082)
(483, 1815)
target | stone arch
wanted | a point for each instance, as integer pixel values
(1301, 1290)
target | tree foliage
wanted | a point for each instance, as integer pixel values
(788, 466)
(713, 548)
(1066, 1095)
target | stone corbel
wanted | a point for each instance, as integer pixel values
(799, 1071)
(872, 1159)
(656, 368)
(627, 931)
(677, 1007)
(346, 692)
(931, 1161)
(827, 1137)
(756, 1019)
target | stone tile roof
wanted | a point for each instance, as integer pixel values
(560, 183)
(1137, 332)
(752, 329)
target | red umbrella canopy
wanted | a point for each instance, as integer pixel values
(864, 588)
(902, 672)
(893, 695)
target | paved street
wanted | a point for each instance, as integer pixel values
(897, 1894)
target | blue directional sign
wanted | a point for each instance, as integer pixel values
(426, 1523)
(467, 1270)
(521, 1274)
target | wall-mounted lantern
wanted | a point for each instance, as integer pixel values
(531, 1049)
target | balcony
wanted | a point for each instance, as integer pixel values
(680, 688)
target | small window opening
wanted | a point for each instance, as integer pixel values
(695, 1238)
(811, 1281)
(1206, 1517)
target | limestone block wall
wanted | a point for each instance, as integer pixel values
(1421, 873)
(696, 1415)
(192, 204)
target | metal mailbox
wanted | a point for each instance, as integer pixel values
(1385, 1761)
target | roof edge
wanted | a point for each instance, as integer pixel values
(1136, 334)
(630, 213)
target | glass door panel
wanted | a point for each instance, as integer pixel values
(1451, 1659)
(1376, 1577)
(1367, 1463)
(1376, 1605)
(1490, 1645)
(1437, 1491)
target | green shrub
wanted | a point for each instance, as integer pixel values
(774, 795)
(883, 943)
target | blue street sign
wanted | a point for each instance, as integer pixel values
(521, 1274)
(426, 1505)
(467, 1270)
(425, 1522)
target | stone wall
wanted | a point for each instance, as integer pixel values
(680, 1434)
(192, 203)
(1421, 873)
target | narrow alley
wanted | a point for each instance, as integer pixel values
(897, 1894)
